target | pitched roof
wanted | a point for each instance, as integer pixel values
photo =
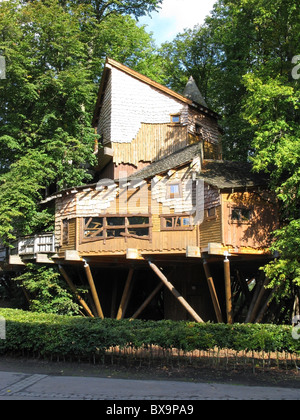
(193, 93)
(218, 173)
(228, 174)
(175, 160)
(112, 63)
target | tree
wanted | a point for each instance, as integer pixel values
(46, 291)
(272, 109)
(104, 8)
(239, 37)
(54, 55)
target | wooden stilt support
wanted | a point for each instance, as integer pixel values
(125, 297)
(147, 301)
(228, 292)
(175, 292)
(265, 307)
(258, 301)
(74, 290)
(212, 291)
(93, 290)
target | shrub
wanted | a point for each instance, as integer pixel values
(63, 336)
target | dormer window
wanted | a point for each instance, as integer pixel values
(175, 118)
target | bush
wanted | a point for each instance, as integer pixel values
(51, 335)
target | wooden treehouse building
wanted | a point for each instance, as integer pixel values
(168, 229)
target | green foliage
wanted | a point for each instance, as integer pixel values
(52, 335)
(238, 38)
(272, 109)
(241, 59)
(105, 8)
(54, 52)
(46, 290)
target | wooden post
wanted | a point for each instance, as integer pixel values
(175, 292)
(265, 307)
(258, 300)
(93, 290)
(213, 292)
(125, 297)
(147, 301)
(228, 292)
(74, 290)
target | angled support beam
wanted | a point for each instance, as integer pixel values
(147, 301)
(258, 300)
(93, 290)
(213, 293)
(75, 291)
(175, 292)
(126, 296)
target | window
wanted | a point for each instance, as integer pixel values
(174, 190)
(211, 213)
(65, 231)
(115, 227)
(241, 215)
(97, 228)
(93, 227)
(176, 222)
(175, 118)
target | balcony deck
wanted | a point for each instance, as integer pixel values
(37, 247)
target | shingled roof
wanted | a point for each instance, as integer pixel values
(192, 92)
(175, 160)
(228, 174)
(218, 173)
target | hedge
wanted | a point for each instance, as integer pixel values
(63, 336)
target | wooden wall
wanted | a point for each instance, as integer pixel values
(254, 233)
(153, 142)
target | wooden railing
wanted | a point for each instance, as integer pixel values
(32, 245)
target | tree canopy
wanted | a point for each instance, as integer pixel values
(54, 52)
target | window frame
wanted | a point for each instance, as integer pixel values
(124, 227)
(173, 196)
(211, 216)
(240, 209)
(65, 232)
(175, 227)
(176, 115)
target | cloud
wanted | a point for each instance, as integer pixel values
(175, 16)
(186, 13)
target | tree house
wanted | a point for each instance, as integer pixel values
(168, 229)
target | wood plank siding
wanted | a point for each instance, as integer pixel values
(153, 142)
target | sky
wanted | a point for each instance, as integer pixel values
(175, 16)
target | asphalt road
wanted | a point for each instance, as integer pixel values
(25, 386)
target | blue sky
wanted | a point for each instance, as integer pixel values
(175, 16)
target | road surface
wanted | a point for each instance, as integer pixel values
(25, 386)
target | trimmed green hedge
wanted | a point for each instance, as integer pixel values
(63, 336)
